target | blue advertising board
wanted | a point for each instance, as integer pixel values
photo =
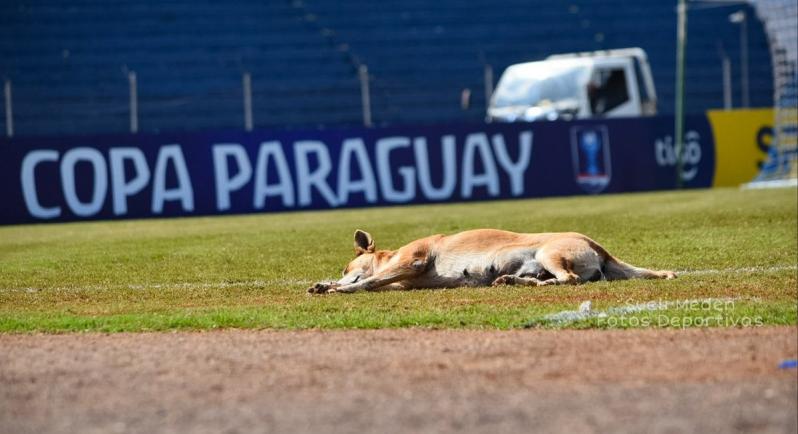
(136, 176)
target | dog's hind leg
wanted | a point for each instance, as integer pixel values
(561, 268)
(571, 261)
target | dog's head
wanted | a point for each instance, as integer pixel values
(365, 262)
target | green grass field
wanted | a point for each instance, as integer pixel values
(252, 271)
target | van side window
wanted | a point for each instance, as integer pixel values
(607, 90)
(644, 96)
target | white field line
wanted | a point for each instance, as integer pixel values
(178, 285)
(281, 282)
(222, 285)
(773, 269)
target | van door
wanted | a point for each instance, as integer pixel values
(612, 90)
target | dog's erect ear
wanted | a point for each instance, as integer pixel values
(363, 243)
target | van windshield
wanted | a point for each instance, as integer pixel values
(536, 84)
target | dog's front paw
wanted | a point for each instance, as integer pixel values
(323, 288)
(668, 275)
(503, 280)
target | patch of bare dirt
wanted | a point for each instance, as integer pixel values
(401, 381)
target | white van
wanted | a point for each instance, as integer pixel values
(611, 83)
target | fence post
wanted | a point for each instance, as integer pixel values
(365, 97)
(246, 81)
(741, 17)
(9, 113)
(727, 86)
(134, 102)
(744, 61)
(678, 128)
(488, 74)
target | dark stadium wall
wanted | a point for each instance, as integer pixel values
(68, 62)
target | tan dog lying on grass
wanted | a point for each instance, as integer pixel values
(479, 258)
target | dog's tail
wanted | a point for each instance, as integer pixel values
(615, 269)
